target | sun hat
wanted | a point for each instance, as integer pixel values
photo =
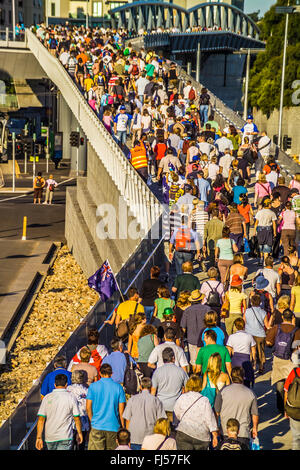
(195, 296)
(236, 280)
(261, 282)
(168, 311)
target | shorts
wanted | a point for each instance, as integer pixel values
(37, 193)
(193, 350)
(265, 248)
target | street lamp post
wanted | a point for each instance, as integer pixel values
(87, 14)
(13, 12)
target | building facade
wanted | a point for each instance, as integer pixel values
(27, 12)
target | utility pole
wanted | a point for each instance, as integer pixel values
(198, 62)
(287, 10)
(247, 85)
(13, 12)
(14, 161)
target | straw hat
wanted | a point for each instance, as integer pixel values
(195, 296)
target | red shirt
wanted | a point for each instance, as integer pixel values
(160, 150)
(290, 379)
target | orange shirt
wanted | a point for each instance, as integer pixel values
(83, 56)
(244, 211)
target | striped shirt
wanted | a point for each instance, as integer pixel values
(199, 218)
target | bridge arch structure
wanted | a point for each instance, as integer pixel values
(153, 15)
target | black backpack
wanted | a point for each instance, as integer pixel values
(130, 383)
(283, 343)
(213, 299)
(292, 406)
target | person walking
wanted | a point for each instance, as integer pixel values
(224, 252)
(105, 403)
(197, 422)
(256, 323)
(168, 382)
(243, 407)
(141, 413)
(56, 414)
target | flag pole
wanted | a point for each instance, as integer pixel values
(122, 296)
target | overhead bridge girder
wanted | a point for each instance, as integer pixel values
(209, 41)
(150, 15)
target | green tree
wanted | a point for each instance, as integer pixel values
(265, 75)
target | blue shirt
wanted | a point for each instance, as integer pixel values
(49, 380)
(204, 187)
(254, 321)
(220, 335)
(237, 191)
(106, 395)
(117, 361)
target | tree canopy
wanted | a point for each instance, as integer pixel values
(265, 75)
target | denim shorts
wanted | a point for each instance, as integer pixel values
(265, 248)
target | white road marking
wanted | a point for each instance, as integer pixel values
(26, 194)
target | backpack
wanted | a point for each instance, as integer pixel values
(292, 406)
(122, 329)
(183, 239)
(38, 183)
(283, 343)
(185, 146)
(213, 299)
(135, 69)
(192, 94)
(204, 100)
(130, 383)
(249, 156)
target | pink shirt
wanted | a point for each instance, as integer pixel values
(289, 218)
(262, 189)
(295, 184)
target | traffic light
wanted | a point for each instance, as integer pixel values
(81, 140)
(37, 149)
(287, 142)
(74, 139)
(28, 147)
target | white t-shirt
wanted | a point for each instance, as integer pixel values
(241, 342)
(59, 407)
(156, 355)
(213, 170)
(225, 163)
(273, 277)
(265, 217)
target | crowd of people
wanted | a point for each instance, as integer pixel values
(183, 348)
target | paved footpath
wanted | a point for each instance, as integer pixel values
(273, 430)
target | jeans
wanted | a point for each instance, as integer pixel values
(185, 442)
(204, 113)
(60, 445)
(122, 136)
(295, 428)
(148, 312)
(135, 446)
(181, 257)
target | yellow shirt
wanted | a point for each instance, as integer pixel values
(296, 292)
(88, 83)
(236, 300)
(127, 308)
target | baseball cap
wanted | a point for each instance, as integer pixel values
(249, 116)
(122, 108)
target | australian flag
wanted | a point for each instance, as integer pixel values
(103, 281)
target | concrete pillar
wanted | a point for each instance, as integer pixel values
(64, 125)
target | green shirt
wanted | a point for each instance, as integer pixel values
(186, 281)
(150, 70)
(205, 353)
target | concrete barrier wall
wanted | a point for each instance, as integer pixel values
(82, 222)
(290, 125)
(20, 65)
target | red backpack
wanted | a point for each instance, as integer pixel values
(192, 94)
(135, 69)
(183, 239)
(185, 146)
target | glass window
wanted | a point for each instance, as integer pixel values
(97, 9)
(9, 17)
(52, 9)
